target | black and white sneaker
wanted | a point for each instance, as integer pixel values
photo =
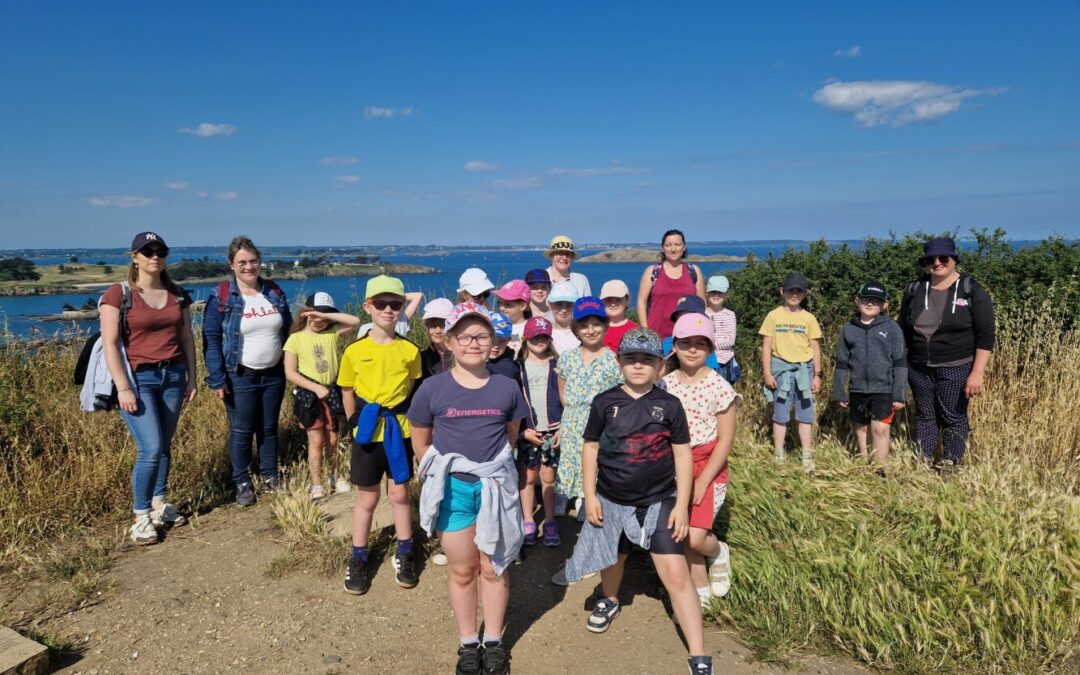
(357, 577)
(405, 571)
(496, 660)
(701, 665)
(245, 494)
(602, 615)
(468, 659)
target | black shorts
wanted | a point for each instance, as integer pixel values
(368, 463)
(866, 407)
(662, 542)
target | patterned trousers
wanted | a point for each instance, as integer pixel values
(940, 405)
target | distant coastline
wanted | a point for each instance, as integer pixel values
(642, 255)
(86, 278)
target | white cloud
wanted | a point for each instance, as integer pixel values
(207, 130)
(121, 201)
(527, 183)
(346, 180)
(374, 112)
(202, 193)
(477, 165)
(849, 53)
(227, 196)
(338, 161)
(606, 171)
(176, 185)
(896, 103)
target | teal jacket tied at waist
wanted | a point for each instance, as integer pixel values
(393, 438)
(789, 376)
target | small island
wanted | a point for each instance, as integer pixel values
(645, 255)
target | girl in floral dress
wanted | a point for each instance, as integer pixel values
(583, 373)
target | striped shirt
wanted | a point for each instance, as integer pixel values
(723, 334)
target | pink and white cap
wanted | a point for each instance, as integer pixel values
(464, 310)
(514, 290)
(439, 308)
(693, 325)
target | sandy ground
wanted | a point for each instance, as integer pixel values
(200, 602)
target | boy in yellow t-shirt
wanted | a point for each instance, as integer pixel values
(377, 376)
(791, 361)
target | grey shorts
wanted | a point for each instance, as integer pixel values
(804, 408)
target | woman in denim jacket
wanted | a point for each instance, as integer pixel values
(245, 326)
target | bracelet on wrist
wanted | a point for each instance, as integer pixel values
(120, 391)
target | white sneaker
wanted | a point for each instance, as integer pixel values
(318, 492)
(780, 456)
(341, 485)
(808, 465)
(720, 572)
(166, 515)
(143, 532)
(439, 559)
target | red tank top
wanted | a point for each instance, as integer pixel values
(665, 295)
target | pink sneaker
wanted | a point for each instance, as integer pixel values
(551, 534)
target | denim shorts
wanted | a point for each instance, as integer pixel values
(460, 505)
(804, 408)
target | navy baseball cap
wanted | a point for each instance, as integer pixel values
(688, 303)
(873, 289)
(144, 238)
(537, 276)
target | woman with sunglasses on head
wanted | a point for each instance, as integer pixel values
(948, 324)
(245, 325)
(159, 376)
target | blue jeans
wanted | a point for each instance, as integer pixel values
(253, 405)
(160, 395)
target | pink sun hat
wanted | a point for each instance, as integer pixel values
(514, 290)
(693, 325)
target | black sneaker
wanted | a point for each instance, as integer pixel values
(496, 660)
(468, 659)
(701, 665)
(245, 494)
(357, 580)
(405, 571)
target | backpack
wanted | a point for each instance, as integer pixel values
(965, 288)
(656, 272)
(223, 291)
(81, 365)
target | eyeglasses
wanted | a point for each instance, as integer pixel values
(483, 339)
(941, 259)
(394, 305)
(254, 262)
(153, 251)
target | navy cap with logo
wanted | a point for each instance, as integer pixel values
(144, 238)
(688, 303)
(641, 341)
(537, 276)
(873, 289)
(795, 281)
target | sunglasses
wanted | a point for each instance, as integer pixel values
(394, 305)
(942, 259)
(154, 251)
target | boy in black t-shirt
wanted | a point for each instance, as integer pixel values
(638, 473)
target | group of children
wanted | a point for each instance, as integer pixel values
(634, 429)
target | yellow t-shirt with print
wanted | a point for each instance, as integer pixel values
(316, 354)
(381, 373)
(791, 333)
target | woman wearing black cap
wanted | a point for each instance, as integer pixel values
(146, 337)
(948, 323)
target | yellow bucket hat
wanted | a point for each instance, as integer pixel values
(560, 244)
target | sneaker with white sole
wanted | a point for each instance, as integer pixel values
(720, 572)
(166, 515)
(318, 492)
(808, 465)
(342, 485)
(602, 615)
(439, 559)
(143, 531)
(780, 456)
(700, 665)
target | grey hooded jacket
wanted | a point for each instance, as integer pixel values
(871, 357)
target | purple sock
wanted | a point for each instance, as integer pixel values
(359, 552)
(404, 546)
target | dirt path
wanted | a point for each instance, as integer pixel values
(200, 602)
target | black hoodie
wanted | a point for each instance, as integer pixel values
(967, 323)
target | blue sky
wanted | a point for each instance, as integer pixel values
(364, 123)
